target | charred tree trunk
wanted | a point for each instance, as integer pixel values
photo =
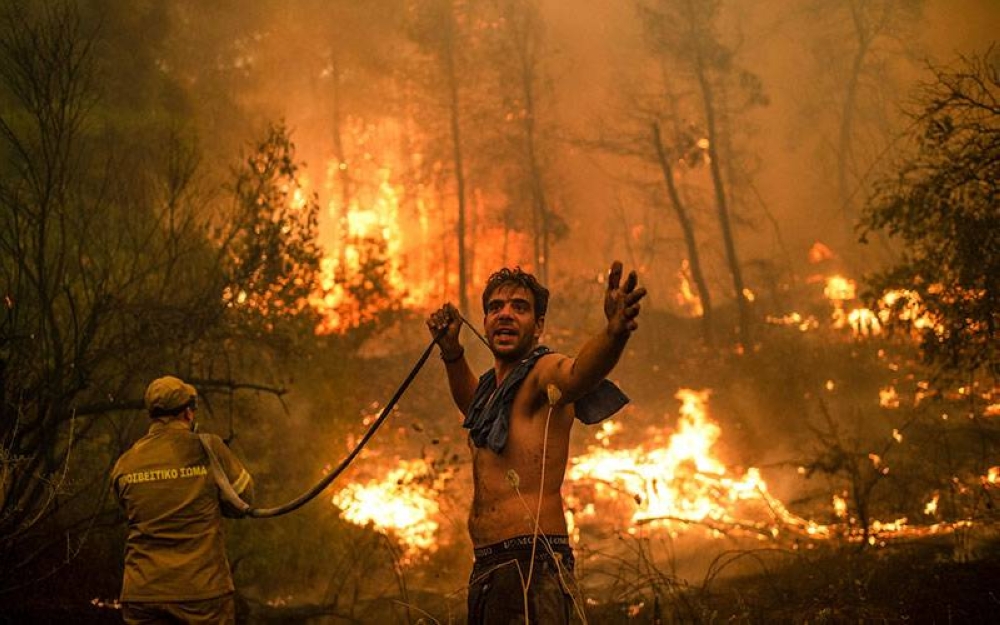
(689, 239)
(340, 232)
(721, 203)
(539, 205)
(454, 102)
(844, 151)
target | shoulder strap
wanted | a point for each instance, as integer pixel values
(226, 491)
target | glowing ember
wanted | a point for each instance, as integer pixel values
(794, 319)
(606, 431)
(819, 252)
(840, 506)
(863, 322)
(932, 505)
(888, 397)
(992, 476)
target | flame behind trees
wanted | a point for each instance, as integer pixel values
(270, 242)
(686, 36)
(683, 128)
(943, 204)
(440, 30)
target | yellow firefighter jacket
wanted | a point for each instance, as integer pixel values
(175, 549)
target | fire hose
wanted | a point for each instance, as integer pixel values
(244, 509)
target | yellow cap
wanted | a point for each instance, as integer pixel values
(168, 395)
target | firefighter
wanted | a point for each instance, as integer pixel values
(176, 568)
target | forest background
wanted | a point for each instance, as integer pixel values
(267, 199)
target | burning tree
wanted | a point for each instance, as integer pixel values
(440, 29)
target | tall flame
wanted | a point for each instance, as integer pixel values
(678, 480)
(402, 504)
(391, 231)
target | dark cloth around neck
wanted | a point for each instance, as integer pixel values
(488, 419)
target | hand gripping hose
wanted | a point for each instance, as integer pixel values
(298, 502)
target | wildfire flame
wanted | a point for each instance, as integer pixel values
(677, 480)
(863, 322)
(687, 300)
(372, 247)
(674, 481)
(403, 504)
(389, 230)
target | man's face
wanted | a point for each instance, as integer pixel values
(510, 322)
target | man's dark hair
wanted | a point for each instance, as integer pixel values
(517, 277)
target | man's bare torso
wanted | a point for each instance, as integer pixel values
(507, 486)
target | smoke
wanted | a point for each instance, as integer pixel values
(348, 80)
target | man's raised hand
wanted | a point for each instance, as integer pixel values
(621, 301)
(444, 324)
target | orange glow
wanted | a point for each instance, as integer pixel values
(864, 322)
(888, 397)
(819, 252)
(676, 480)
(839, 289)
(992, 476)
(402, 504)
(372, 248)
(932, 505)
(911, 309)
(794, 319)
(671, 482)
(389, 237)
(840, 507)
(688, 301)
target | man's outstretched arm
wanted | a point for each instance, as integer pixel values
(575, 377)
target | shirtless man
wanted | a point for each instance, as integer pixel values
(519, 415)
